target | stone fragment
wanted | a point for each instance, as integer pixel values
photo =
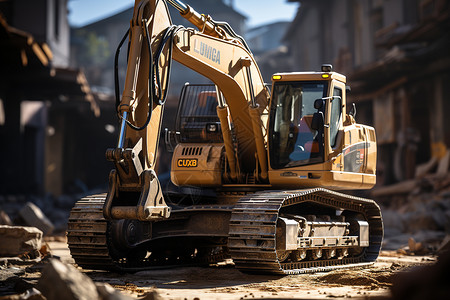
(61, 281)
(153, 295)
(444, 246)
(33, 216)
(8, 273)
(414, 246)
(107, 292)
(18, 240)
(31, 294)
(426, 168)
(444, 163)
(5, 219)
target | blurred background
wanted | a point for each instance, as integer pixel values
(57, 113)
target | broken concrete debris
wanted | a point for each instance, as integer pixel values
(443, 165)
(5, 219)
(61, 281)
(17, 240)
(416, 212)
(444, 246)
(107, 292)
(155, 295)
(426, 168)
(33, 216)
(55, 209)
(31, 294)
(414, 248)
(403, 187)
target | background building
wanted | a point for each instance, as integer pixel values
(269, 48)
(94, 45)
(57, 125)
(49, 119)
(395, 55)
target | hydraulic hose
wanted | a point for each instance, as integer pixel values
(180, 6)
(116, 69)
(156, 94)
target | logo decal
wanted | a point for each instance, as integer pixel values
(207, 51)
(187, 163)
(288, 174)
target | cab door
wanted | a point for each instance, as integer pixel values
(334, 118)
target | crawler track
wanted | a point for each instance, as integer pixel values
(252, 239)
(91, 248)
(87, 234)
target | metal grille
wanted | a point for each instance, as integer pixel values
(189, 151)
(197, 119)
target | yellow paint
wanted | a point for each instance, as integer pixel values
(438, 150)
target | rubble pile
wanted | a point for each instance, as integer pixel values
(19, 240)
(24, 229)
(48, 213)
(59, 281)
(416, 212)
(33, 216)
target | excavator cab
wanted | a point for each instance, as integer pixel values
(312, 140)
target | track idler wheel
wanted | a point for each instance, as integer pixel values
(316, 253)
(341, 253)
(329, 253)
(298, 255)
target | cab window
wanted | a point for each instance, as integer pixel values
(336, 112)
(294, 142)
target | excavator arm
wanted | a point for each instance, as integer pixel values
(214, 51)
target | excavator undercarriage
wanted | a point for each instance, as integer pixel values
(276, 232)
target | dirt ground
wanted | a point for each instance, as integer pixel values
(225, 282)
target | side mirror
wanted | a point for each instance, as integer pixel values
(352, 111)
(170, 138)
(318, 104)
(317, 121)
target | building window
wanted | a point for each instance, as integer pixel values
(56, 19)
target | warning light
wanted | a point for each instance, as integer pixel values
(325, 75)
(276, 77)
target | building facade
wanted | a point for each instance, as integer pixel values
(47, 111)
(395, 55)
(269, 49)
(108, 32)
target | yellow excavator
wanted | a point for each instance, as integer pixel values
(255, 168)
